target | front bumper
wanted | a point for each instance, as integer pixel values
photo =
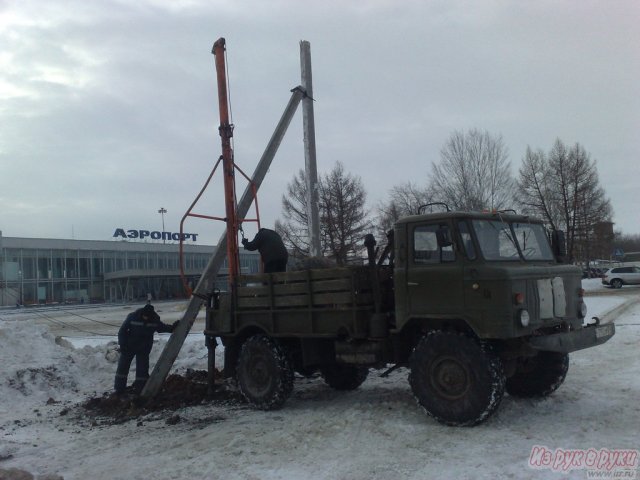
(566, 342)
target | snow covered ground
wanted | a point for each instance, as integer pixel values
(375, 432)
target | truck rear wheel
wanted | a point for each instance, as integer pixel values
(456, 378)
(539, 376)
(264, 373)
(344, 377)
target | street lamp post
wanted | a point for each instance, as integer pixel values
(21, 300)
(162, 211)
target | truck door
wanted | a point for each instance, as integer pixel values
(434, 271)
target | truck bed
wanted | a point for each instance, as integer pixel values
(315, 303)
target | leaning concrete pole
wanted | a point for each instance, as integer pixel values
(208, 279)
(311, 168)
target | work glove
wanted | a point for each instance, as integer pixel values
(245, 241)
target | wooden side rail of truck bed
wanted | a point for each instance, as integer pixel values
(327, 302)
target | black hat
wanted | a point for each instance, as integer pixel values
(148, 310)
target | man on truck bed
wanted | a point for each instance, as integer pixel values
(271, 248)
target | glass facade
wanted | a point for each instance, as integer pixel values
(47, 271)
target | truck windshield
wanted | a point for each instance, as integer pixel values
(511, 241)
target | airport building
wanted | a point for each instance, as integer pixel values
(49, 271)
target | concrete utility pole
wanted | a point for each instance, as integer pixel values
(311, 168)
(207, 280)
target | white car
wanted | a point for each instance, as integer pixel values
(616, 277)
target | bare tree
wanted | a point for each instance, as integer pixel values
(403, 200)
(578, 195)
(535, 194)
(294, 229)
(343, 217)
(564, 189)
(474, 172)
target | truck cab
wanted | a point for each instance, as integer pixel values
(494, 273)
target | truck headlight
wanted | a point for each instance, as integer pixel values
(582, 309)
(524, 318)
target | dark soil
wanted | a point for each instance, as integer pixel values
(178, 391)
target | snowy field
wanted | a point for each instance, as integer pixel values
(375, 432)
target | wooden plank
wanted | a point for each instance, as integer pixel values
(342, 284)
(279, 289)
(257, 291)
(298, 288)
(253, 302)
(330, 273)
(297, 276)
(333, 300)
(341, 299)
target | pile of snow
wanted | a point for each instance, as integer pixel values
(38, 366)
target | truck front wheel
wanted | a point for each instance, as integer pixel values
(344, 377)
(456, 378)
(539, 376)
(264, 373)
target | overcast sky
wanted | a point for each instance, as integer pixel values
(108, 109)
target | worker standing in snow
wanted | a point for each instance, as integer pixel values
(135, 338)
(271, 248)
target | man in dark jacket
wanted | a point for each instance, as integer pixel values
(135, 338)
(271, 248)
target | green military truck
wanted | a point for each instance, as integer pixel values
(472, 303)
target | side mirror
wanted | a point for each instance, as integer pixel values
(443, 235)
(559, 245)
